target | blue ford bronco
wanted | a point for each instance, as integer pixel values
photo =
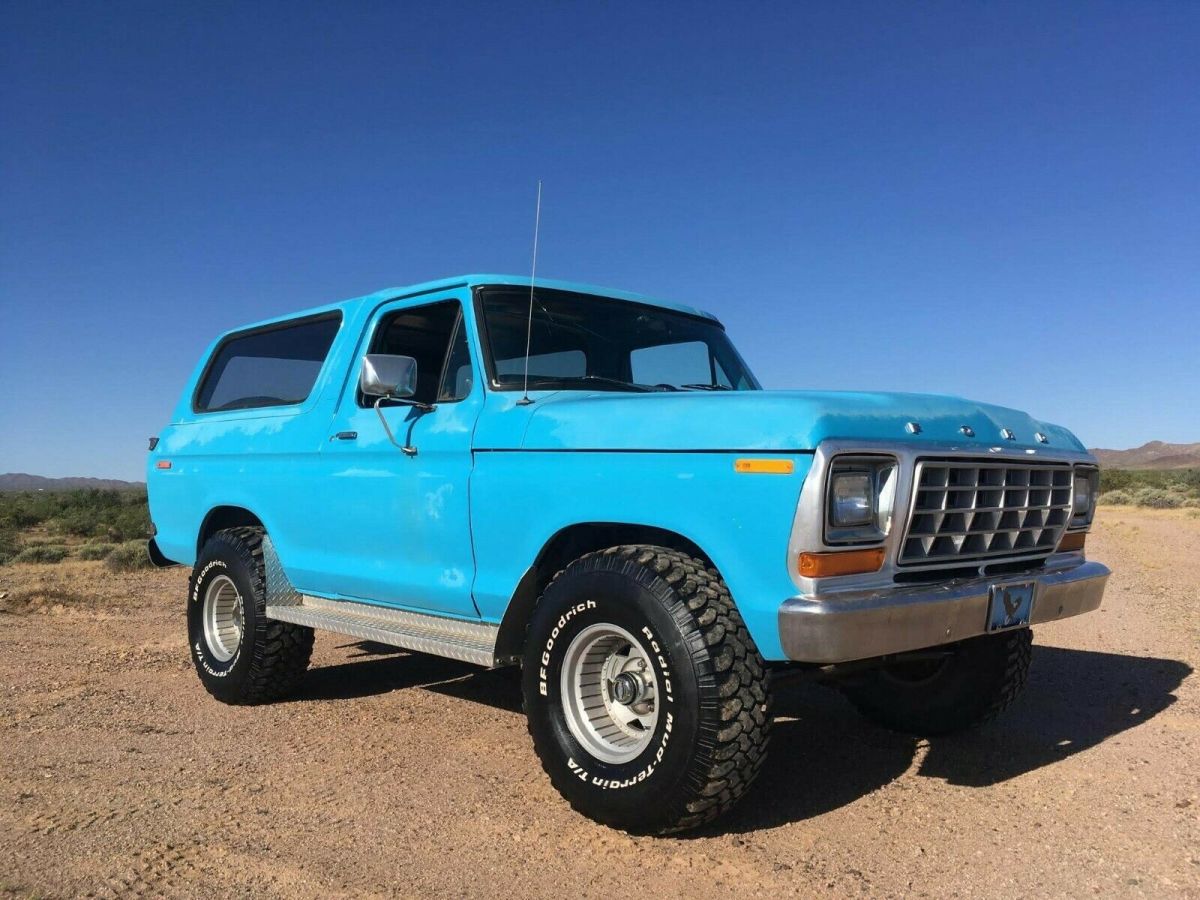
(592, 485)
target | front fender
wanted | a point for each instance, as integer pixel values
(741, 520)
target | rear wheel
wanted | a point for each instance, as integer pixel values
(970, 683)
(240, 655)
(646, 697)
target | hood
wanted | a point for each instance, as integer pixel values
(775, 421)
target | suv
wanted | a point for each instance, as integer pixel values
(593, 486)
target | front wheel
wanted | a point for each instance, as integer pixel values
(967, 684)
(646, 697)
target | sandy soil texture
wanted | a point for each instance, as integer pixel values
(394, 774)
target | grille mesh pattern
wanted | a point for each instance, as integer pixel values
(981, 510)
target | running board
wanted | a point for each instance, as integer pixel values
(472, 642)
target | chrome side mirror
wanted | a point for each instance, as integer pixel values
(387, 376)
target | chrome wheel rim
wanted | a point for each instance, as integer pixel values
(610, 693)
(223, 617)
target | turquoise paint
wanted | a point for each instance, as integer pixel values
(453, 529)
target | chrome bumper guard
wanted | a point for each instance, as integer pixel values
(841, 627)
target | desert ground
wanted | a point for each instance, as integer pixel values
(396, 774)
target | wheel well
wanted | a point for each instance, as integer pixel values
(562, 549)
(221, 517)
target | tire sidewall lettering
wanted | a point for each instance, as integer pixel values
(596, 774)
(199, 650)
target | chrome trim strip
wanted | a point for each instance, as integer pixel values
(867, 624)
(808, 523)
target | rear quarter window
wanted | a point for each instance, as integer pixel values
(273, 366)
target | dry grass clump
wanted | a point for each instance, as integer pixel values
(128, 557)
(42, 553)
(93, 552)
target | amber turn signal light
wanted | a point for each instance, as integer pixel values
(1072, 541)
(846, 562)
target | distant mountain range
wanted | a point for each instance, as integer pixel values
(1154, 455)
(19, 481)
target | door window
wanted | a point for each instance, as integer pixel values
(435, 335)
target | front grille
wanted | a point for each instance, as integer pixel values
(967, 510)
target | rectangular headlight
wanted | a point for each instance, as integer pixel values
(861, 497)
(851, 499)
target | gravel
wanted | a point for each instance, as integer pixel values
(396, 774)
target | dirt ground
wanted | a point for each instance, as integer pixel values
(396, 774)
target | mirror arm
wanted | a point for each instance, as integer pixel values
(408, 450)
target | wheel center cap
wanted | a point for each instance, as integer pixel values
(625, 688)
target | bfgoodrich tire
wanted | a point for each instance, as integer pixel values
(974, 682)
(241, 656)
(646, 697)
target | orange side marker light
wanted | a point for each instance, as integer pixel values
(764, 466)
(846, 562)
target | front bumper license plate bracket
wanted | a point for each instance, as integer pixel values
(1010, 605)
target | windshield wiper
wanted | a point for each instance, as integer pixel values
(707, 387)
(598, 379)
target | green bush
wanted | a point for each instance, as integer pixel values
(1115, 498)
(1183, 481)
(1192, 503)
(114, 516)
(128, 557)
(10, 545)
(1157, 498)
(95, 551)
(43, 553)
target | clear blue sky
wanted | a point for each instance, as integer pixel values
(995, 200)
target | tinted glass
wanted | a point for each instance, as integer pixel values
(456, 382)
(432, 336)
(686, 363)
(273, 367)
(584, 342)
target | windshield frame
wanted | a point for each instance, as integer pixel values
(492, 383)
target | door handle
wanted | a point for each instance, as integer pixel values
(345, 436)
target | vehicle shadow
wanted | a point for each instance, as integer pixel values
(823, 755)
(379, 669)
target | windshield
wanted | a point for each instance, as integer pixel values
(581, 342)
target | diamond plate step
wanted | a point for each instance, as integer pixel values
(472, 642)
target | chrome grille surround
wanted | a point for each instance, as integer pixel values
(985, 509)
(808, 521)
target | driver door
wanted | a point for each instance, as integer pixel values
(399, 527)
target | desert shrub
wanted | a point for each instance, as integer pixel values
(128, 523)
(128, 557)
(1157, 498)
(42, 553)
(1115, 498)
(1192, 503)
(1183, 481)
(113, 516)
(10, 545)
(95, 551)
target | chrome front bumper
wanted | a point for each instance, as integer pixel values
(840, 627)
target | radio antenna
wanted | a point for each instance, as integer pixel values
(537, 221)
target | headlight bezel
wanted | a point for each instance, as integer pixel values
(1082, 520)
(882, 474)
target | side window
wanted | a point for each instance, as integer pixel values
(432, 336)
(275, 366)
(686, 363)
(457, 380)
